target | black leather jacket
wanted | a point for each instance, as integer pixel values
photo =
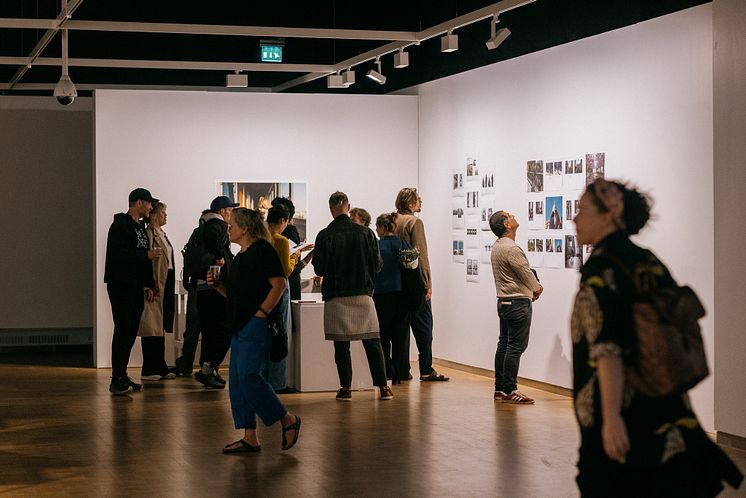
(346, 255)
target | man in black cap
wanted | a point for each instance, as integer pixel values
(212, 306)
(129, 281)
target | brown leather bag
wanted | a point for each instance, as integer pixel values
(669, 357)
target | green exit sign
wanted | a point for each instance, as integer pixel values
(271, 53)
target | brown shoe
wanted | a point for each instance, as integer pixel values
(500, 396)
(344, 394)
(434, 377)
(386, 393)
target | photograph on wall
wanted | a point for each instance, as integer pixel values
(485, 218)
(538, 222)
(553, 253)
(553, 213)
(458, 184)
(472, 237)
(472, 199)
(472, 267)
(552, 175)
(458, 248)
(472, 170)
(573, 253)
(574, 178)
(530, 212)
(458, 216)
(488, 240)
(594, 166)
(576, 207)
(259, 196)
(488, 181)
(534, 252)
(535, 176)
(569, 212)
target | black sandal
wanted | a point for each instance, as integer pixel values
(243, 448)
(294, 426)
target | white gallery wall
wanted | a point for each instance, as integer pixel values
(181, 144)
(643, 96)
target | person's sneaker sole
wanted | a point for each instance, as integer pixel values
(117, 392)
(150, 377)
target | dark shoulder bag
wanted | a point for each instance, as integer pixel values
(278, 349)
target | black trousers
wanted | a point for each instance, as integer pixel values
(213, 318)
(422, 330)
(393, 320)
(127, 305)
(373, 352)
(154, 356)
(192, 328)
(515, 324)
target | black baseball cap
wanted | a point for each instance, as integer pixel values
(221, 202)
(142, 194)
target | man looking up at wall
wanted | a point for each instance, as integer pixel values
(129, 280)
(212, 306)
(410, 229)
(517, 287)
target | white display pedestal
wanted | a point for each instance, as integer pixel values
(311, 364)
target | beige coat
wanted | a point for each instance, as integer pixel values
(151, 323)
(411, 229)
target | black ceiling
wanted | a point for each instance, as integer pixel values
(536, 26)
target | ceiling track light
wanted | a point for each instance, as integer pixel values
(377, 76)
(401, 59)
(335, 81)
(237, 80)
(348, 77)
(497, 36)
(341, 80)
(449, 42)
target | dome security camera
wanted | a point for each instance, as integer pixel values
(65, 91)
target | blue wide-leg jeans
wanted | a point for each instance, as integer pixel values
(250, 393)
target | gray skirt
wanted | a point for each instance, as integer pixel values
(350, 318)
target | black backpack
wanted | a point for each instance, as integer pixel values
(197, 259)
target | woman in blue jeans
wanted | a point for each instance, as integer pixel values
(254, 287)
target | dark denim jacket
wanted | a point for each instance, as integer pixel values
(346, 255)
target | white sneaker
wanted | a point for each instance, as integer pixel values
(168, 376)
(150, 377)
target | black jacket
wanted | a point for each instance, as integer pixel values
(126, 263)
(215, 237)
(346, 255)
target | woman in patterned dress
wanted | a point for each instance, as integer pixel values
(631, 444)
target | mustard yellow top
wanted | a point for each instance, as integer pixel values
(282, 247)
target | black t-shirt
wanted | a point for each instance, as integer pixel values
(248, 282)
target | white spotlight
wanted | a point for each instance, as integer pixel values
(449, 42)
(401, 59)
(348, 77)
(497, 37)
(237, 80)
(335, 81)
(376, 75)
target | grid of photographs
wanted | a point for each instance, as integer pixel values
(472, 205)
(554, 188)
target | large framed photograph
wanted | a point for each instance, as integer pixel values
(259, 196)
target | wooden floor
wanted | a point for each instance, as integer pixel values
(62, 434)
